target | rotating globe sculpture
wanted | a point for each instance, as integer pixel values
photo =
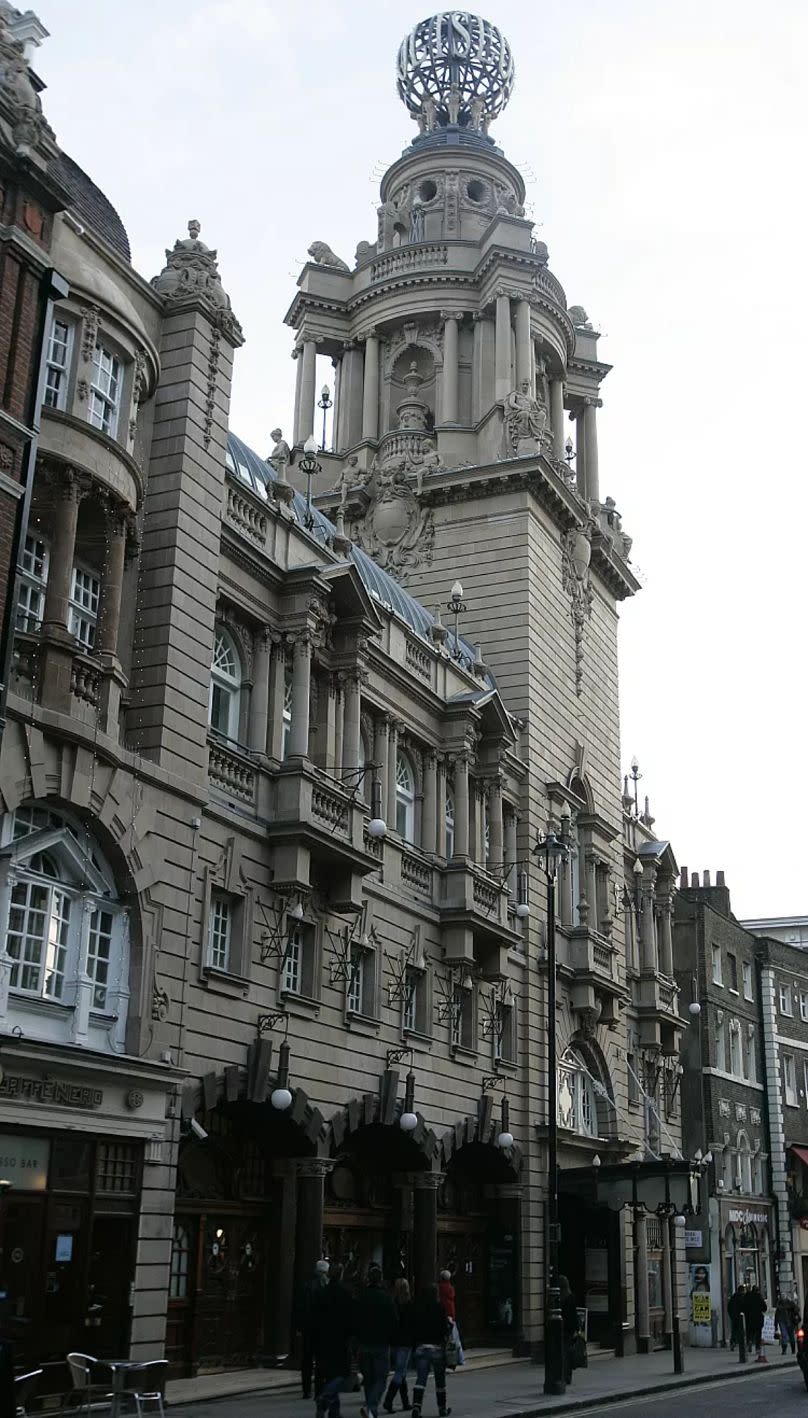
(455, 68)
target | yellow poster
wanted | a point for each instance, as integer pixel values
(700, 1308)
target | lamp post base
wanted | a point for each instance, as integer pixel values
(554, 1368)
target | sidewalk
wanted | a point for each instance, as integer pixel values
(512, 1389)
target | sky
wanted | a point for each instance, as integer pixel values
(664, 147)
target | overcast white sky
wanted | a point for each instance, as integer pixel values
(665, 146)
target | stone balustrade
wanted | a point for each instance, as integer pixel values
(415, 257)
(231, 773)
(243, 514)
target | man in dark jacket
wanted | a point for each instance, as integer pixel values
(754, 1311)
(306, 1300)
(735, 1306)
(331, 1329)
(375, 1324)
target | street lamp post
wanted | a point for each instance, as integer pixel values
(552, 850)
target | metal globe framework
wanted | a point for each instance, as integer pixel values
(459, 63)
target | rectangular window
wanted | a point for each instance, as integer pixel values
(411, 982)
(785, 1000)
(293, 963)
(720, 1044)
(790, 1080)
(716, 956)
(463, 1018)
(633, 1080)
(38, 925)
(356, 983)
(57, 370)
(805, 1079)
(105, 391)
(734, 1049)
(99, 950)
(804, 1006)
(85, 593)
(747, 980)
(732, 968)
(504, 1041)
(219, 932)
(287, 711)
(33, 582)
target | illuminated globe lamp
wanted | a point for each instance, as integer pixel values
(377, 827)
(281, 1098)
(505, 1139)
(522, 903)
(455, 70)
(408, 1121)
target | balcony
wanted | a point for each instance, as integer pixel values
(74, 443)
(59, 674)
(317, 829)
(656, 999)
(474, 915)
(231, 772)
(423, 256)
(590, 960)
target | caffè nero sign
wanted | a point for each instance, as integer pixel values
(49, 1090)
(24, 1162)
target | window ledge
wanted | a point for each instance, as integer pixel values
(733, 992)
(222, 982)
(362, 1024)
(462, 1055)
(421, 1043)
(509, 1066)
(301, 1006)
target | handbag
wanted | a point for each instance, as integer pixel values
(450, 1350)
(579, 1358)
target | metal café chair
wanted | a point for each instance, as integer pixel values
(86, 1374)
(24, 1388)
(146, 1384)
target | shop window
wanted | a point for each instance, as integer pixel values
(57, 366)
(449, 822)
(716, 961)
(405, 798)
(790, 1081)
(785, 1000)
(732, 971)
(577, 1100)
(118, 1168)
(82, 617)
(219, 928)
(33, 583)
(180, 1261)
(103, 404)
(747, 980)
(64, 930)
(225, 687)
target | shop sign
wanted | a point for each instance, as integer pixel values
(746, 1218)
(14, 1088)
(24, 1161)
(694, 1238)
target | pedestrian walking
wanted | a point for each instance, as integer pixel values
(375, 1325)
(735, 1312)
(754, 1311)
(569, 1320)
(402, 1347)
(431, 1329)
(304, 1310)
(786, 1316)
(331, 1330)
(448, 1298)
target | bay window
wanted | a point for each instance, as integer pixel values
(57, 365)
(103, 405)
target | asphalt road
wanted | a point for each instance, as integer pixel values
(781, 1394)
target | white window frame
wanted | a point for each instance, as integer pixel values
(106, 387)
(721, 1045)
(584, 1113)
(748, 987)
(35, 562)
(449, 822)
(405, 797)
(355, 989)
(790, 1081)
(225, 687)
(718, 978)
(292, 973)
(286, 711)
(804, 1006)
(785, 1001)
(220, 932)
(57, 364)
(83, 607)
(735, 1050)
(732, 960)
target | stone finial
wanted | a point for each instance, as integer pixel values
(22, 122)
(437, 631)
(191, 274)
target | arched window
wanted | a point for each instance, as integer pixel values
(67, 935)
(225, 687)
(405, 798)
(449, 820)
(577, 1100)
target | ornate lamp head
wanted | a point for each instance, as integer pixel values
(455, 68)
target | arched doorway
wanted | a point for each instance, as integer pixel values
(478, 1226)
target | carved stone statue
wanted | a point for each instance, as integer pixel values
(281, 454)
(416, 220)
(190, 273)
(320, 252)
(525, 421)
(579, 317)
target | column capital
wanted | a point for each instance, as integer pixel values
(314, 1167)
(457, 315)
(427, 1181)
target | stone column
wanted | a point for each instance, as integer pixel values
(296, 356)
(429, 814)
(277, 689)
(106, 642)
(305, 419)
(259, 699)
(392, 764)
(339, 719)
(524, 362)
(591, 893)
(665, 934)
(69, 493)
(511, 849)
(648, 944)
(502, 379)
(495, 823)
(380, 757)
(591, 440)
(370, 395)
(641, 1253)
(351, 732)
(557, 416)
(425, 1230)
(480, 799)
(461, 800)
(332, 763)
(309, 1230)
(580, 453)
(301, 689)
(450, 366)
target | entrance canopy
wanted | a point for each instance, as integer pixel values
(665, 1185)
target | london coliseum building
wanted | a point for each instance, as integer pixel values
(273, 929)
